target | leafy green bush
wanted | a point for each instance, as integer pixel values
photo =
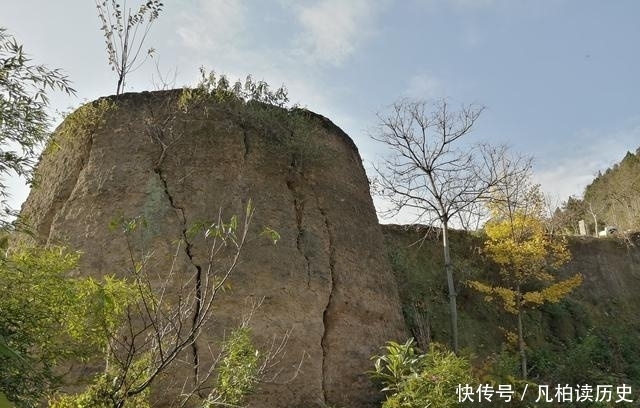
(400, 362)
(414, 380)
(100, 394)
(503, 369)
(47, 318)
(238, 371)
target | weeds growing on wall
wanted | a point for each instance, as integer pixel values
(84, 120)
(254, 106)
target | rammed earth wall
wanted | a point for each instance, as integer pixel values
(327, 280)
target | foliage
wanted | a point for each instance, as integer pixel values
(251, 105)
(559, 347)
(83, 121)
(518, 243)
(413, 380)
(605, 355)
(238, 370)
(573, 210)
(615, 195)
(218, 88)
(102, 393)
(612, 198)
(49, 318)
(86, 119)
(123, 39)
(157, 329)
(255, 108)
(503, 368)
(24, 124)
(399, 362)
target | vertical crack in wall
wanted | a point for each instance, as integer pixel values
(239, 194)
(325, 315)
(245, 141)
(293, 180)
(188, 246)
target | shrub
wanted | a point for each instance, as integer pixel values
(414, 380)
(237, 374)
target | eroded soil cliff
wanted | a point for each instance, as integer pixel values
(327, 280)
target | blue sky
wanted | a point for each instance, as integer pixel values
(559, 78)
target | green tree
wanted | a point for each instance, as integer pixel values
(573, 210)
(24, 123)
(48, 319)
(527, 256)
(124, 33)
(614, 196)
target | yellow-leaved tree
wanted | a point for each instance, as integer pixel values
(527, 255)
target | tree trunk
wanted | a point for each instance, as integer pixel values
(120, 84)
(521, 344)
(453, 311)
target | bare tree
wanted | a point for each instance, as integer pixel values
(124, 33)
(167, 318)
(432, 172)
(594, 210)
(164, 315)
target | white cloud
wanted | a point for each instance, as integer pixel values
(593, 152)
(424, 86)
(567, 178)
(333, 29)
(458, 5)
(213, 25)
(472, 4)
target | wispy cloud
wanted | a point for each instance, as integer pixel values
(458, 5)
(567, 178)
(594, 152)
(333, 29)
(472, 4)
(424, 86)
(213, 25)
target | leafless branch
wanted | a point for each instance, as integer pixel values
(432, 172)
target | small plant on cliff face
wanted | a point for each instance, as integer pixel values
(238, 370)
(213, 87)
(254, 106)
(83, 121)
(86, 119)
